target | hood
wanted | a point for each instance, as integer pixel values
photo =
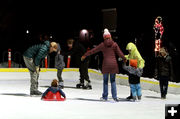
(108, 42)
(131, 46)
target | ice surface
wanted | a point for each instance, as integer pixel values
(15, 102)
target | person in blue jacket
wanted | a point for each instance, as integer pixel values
(33, 57)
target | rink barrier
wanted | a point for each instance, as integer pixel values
(9, 58)
(146, 83)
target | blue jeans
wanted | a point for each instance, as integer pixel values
(113, 86)
(135, 89)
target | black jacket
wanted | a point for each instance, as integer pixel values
(163, 66)
(78, 50)
(134, 79)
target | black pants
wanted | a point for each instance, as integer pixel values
(163, 83)
(83, 69)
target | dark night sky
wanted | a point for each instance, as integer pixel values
(65, 20)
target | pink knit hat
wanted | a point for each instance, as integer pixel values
(106, 33)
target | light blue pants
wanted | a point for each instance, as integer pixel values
(136, 89)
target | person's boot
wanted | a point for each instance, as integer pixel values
(139, 97)
(35, 92)
(103, 99)
(163, 96)
(116, 99)
(129, 97)
(133, 99)
(80, 85)
(61, 85)
(87, 86)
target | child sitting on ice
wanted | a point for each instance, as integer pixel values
(53, 93)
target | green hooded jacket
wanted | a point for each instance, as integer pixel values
(134, 54)
(38, 52)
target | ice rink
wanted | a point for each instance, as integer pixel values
(16, 103)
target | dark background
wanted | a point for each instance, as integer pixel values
(65, 19)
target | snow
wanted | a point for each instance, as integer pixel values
(15, 102)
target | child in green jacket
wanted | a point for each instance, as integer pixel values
(134, 72)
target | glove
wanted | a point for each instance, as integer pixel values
(37, 69)
(120, 59)
(82, 58)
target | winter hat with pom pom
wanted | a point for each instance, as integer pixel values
(106, 33)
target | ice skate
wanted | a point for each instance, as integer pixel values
(129, 97)
(133, 99)
(163, 97)
(87, 86)
(80, 85)
(116, 99)
(139, 98)
(102, 99)
(61, 85)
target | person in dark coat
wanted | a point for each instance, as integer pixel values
(78, 48)
(59, 65)
(54, 93)
(33, 57)
(163, 71)
(109, 49)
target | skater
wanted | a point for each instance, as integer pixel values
(135, 70)
(110, 67)
(163, 71)
(69, 53)
(59, 65)
(54, 93)
(78, 48)
(32, 58)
